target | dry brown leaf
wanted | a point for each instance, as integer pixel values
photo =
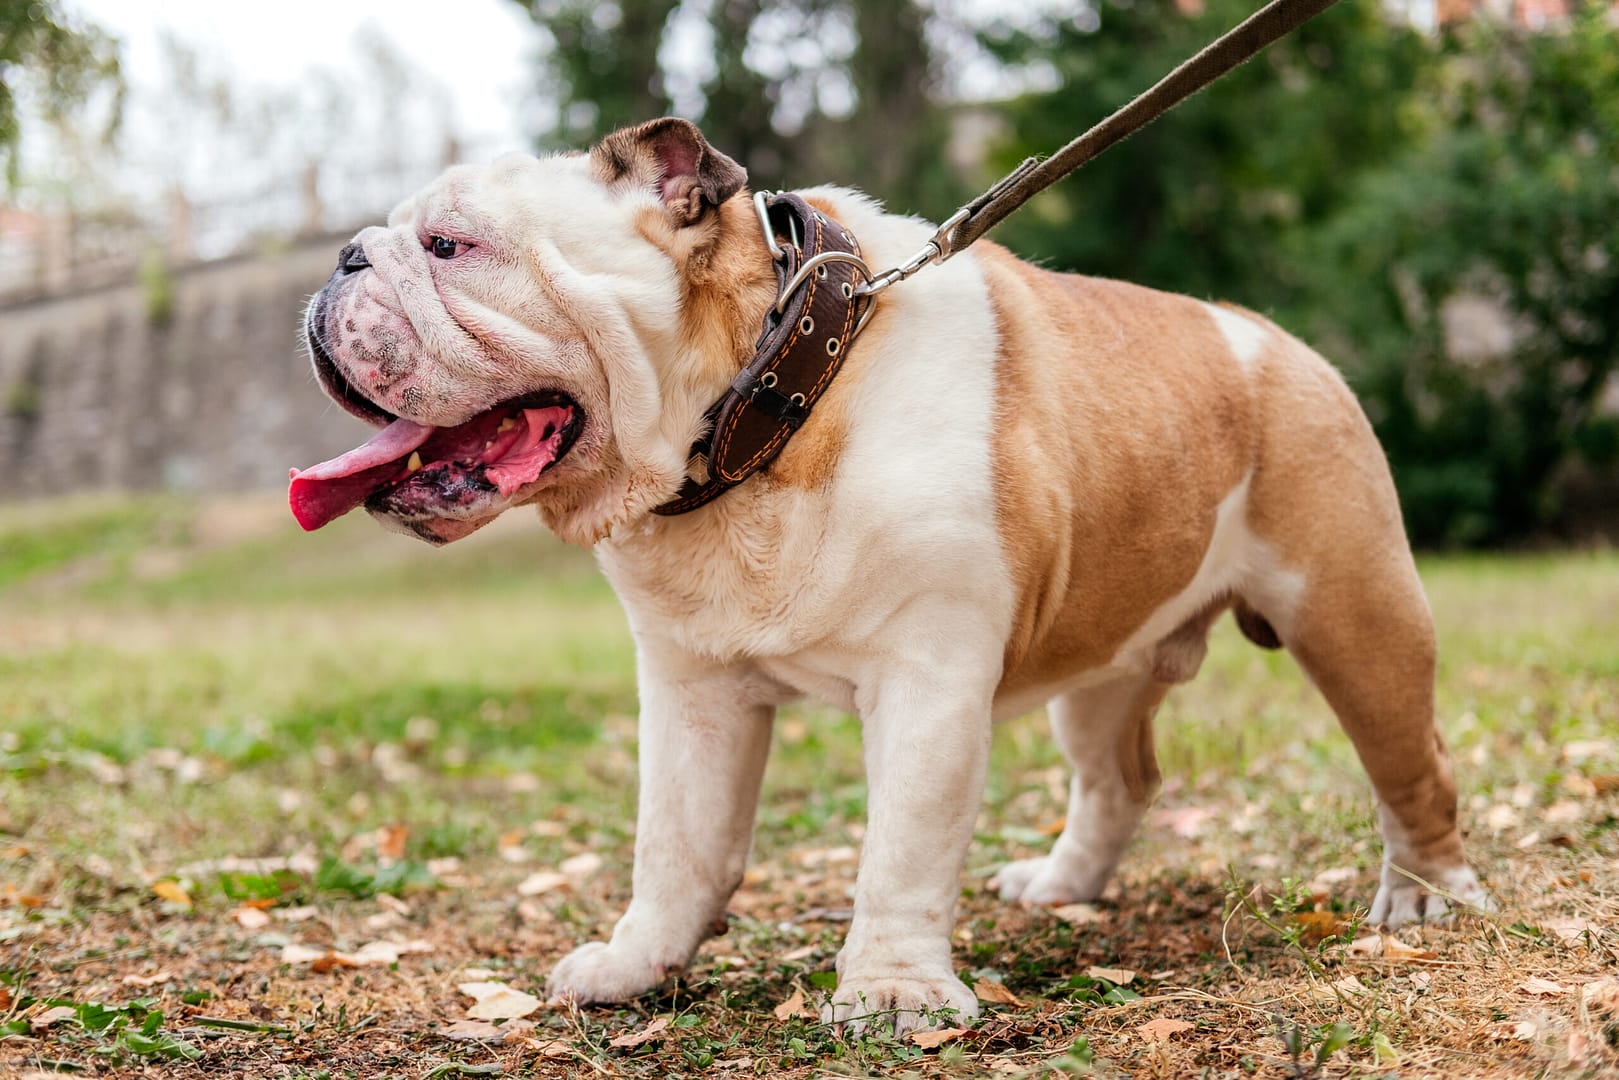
(484, 1031)
(1319, 925)
(52, 1016)
(1397, 950)
(251, 918)
(581, 866)
(149, 980)
(1571, 929)
(507, 1004)
(391, 841)
(1541, 987)
(388, 952)
(1162, 1029)
(995, 993)
(541, 881)
(1054, 826)
(331, 961)
(1603, 783)
(295, 953)
(1116, 976)
(549, 1048)
(932, 1040)
(172, 892)
(789, 1008)
(1078, 914)
(652, 1031)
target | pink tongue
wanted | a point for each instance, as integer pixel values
(526, 459)
(331, 489)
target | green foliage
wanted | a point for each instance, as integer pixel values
(1510, 198)
(1197, 201)
(1357, 181)
(57, 57)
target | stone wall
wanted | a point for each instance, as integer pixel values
(101, 391)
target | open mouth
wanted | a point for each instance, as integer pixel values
(410, 470)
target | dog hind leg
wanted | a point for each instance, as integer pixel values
(1106, 733)
(1367, 641)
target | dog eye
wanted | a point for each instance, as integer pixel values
(444, 248)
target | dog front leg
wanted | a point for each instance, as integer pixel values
(926, 749)
(702, 753)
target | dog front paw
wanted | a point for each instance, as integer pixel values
(1401, 901)
(905, 1003)
(1046, 881)
(601, 971)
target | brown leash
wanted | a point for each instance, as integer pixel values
(826, 293)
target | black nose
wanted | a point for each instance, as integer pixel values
(352, 258)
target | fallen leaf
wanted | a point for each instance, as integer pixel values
(549, 1048)
(484, 1031)
(295, 953)
(541, 881)
(505, 1005)
(932, 1040)
(790, 1007)
(1603, 783)
(1319, 925)
(995, 993)
(52, 1016)
(1078, 914)
(391, 841)
(1571, 929)
(388, 952)
(331, 961)
(1162, 1029)
(251, 918)
(172, 892)
(1396, 950)
(582, 866)
(1116, 976)
(1054, 826)
(630, 1039)
(479, 989)
(1185, 821)
(1366, 947)
(149, 980)
(1541, 987)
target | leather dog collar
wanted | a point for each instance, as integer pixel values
(807, 331)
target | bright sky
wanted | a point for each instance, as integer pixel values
(481, 53)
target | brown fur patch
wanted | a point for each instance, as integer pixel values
(1122, 421)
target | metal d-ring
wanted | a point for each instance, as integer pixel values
(777, 252)
(811, 265)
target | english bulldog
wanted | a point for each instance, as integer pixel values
(1024, 488)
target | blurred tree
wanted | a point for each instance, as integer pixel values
(799, 91)
(1505, 214)
(56, 57)
(1196, 202)
(601, 66)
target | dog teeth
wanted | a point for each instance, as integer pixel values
(506, 425)
(415, 461)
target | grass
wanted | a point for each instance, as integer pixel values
(389, 741)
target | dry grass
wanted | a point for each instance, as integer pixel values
(420, 732)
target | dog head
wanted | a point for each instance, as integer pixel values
(533, 331)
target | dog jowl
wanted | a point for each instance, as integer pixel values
(1023, 488)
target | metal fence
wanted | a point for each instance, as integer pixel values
(55, 253)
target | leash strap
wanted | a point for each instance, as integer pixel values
(1275, 20)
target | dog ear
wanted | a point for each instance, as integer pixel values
(672, 156)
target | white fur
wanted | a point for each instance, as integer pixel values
(1246, 338)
